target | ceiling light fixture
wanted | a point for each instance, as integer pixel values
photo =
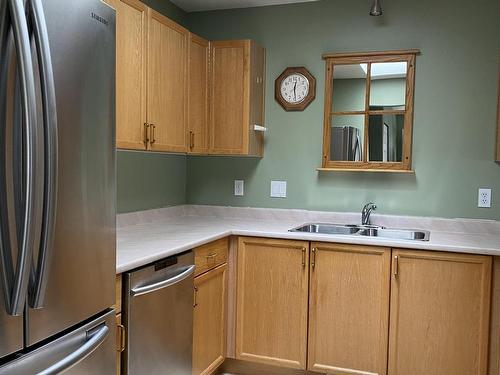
(376, 9)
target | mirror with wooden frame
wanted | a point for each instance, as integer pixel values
(368, 115)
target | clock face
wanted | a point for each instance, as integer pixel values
(294, 88)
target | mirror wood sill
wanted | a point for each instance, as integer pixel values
(400, 171)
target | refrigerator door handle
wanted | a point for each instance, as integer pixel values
(18, 285)
(39, 275)
(359, 152)
(171, 280)
(6, 269)
(95, 338)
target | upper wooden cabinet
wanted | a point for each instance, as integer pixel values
(198, 75)
(151, 79)
(177, 92)
(237, 97)
(349, 309)
(497, 154)
(131, 37)
(439, 313)
(271, 311)
(167, 84)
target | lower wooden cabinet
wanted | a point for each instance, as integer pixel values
(210, 255)
(440, 305)
(349, 309)
(271, 307)
(209, 334)
(341, 309)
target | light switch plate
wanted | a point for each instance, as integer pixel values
(278, 189)
(238, 187)
(484, 198)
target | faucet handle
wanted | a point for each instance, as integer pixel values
(371, 205)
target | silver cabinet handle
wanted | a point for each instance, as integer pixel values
(39, 276)
(149, 288)
(96, 339)
(17, 283)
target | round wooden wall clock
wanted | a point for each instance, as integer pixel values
(295, 89)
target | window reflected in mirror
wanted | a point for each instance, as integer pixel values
(388, 84)
(369, 110)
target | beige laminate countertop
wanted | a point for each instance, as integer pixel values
(147, 236)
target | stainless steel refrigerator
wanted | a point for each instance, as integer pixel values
(346, 144)
(57, 187)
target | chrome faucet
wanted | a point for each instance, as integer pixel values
(367, 211)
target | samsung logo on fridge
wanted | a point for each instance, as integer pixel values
(102, 20)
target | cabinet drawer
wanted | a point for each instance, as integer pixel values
(210, 255)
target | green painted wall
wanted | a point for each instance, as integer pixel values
(146, 180)
(455, 107)
(150, 180)
(168, 9)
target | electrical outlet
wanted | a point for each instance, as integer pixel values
(278, 189)
(484, 198)
(238, 187)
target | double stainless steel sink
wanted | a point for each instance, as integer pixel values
(364, 230)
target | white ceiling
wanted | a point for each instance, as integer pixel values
(199, 5)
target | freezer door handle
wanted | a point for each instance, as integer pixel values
(95, 337)
(16, 284)
(39, 275)
(171, 280)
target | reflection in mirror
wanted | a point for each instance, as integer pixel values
(385, 137)
(349, 87)
(346, 143)
(388, 83)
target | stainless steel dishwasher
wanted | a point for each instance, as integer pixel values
(158, 316)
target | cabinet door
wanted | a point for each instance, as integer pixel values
(118, 294)
(439, 313)
(257, 97)
(497, 154)
(229, 114)
(272, 292)
(209, 335)
(198, 95)
(131, 33)
(167, 84)
(349, 309)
